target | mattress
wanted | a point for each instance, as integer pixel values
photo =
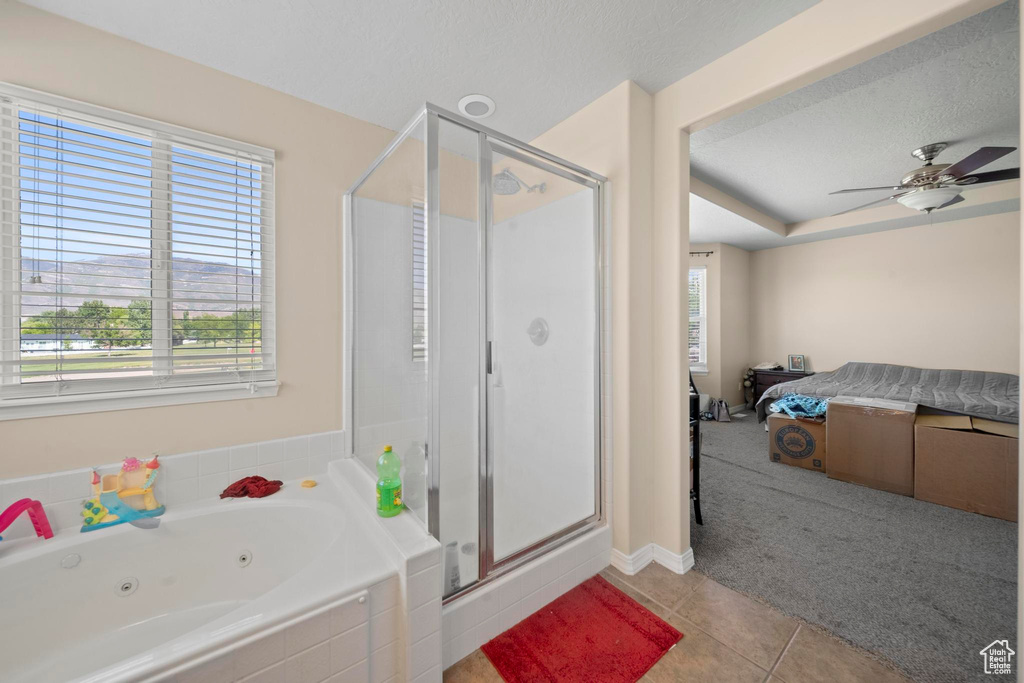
(989, 395)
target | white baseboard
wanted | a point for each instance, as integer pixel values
(737, 409)
(631, 564)
(634, 562)
(679, 563)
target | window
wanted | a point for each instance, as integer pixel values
(136, 261)
(419, 283)
(697, 333)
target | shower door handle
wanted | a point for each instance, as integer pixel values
(490, 359)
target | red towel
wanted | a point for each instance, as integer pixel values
(253, 487)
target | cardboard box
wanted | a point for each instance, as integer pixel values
(796, 442)
(967, 463)
(871, 442)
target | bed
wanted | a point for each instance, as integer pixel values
(989, 395)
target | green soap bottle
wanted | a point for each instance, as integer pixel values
(389, 484)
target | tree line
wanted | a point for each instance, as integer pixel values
(113, 327)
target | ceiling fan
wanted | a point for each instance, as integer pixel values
(936, 186)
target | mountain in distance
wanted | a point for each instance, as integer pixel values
(210, 286)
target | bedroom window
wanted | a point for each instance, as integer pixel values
(136, 261)
(419, 283)
(697, 333)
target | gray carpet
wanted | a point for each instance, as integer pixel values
(922, 586)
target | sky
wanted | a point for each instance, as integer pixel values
(88, 191)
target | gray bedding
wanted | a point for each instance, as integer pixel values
(990, 395)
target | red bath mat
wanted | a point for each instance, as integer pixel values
(595, 632)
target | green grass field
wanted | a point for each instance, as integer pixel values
(105, 361)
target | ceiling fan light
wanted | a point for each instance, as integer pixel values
(928, 200)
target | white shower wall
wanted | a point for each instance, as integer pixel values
(390, 388)
(460, 392)
(543, 401)
(543, 397)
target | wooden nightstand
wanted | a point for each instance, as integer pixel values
(763, 379)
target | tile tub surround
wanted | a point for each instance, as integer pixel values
(354, 639)
(480, 615)
(417, 555)
(182, 478)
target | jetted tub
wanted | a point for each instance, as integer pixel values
(129, 604)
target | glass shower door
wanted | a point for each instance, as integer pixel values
(543, 366)
(390, 390)
(472, 292)
(455, 259)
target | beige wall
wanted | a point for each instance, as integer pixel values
(735, 339)
(938, 296)
(319, 154)
(728, 298)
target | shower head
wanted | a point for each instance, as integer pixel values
(507, 182)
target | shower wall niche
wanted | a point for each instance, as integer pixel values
(473, 292)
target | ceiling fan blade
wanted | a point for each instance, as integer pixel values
(972, 162)
(891, 188)
(955, 200)
(877, 201)
(990, 177)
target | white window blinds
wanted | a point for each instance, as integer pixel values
(419, 283)
(134, 256)
(697, 333)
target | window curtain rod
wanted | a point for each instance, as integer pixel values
(701, 253)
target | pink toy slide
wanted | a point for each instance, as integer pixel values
(35, 513)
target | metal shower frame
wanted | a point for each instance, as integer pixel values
(488, 141)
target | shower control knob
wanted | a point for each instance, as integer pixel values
(538, 331)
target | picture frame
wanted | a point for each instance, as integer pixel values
(796, 363)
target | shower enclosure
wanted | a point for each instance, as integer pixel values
(473, 339)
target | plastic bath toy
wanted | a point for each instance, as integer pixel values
(35, 514)
(123, 497)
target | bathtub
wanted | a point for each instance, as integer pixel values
(129, 604)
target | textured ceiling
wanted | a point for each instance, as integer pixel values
(379, 60)
(857, 128)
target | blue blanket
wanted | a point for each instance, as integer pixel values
(797, 405)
